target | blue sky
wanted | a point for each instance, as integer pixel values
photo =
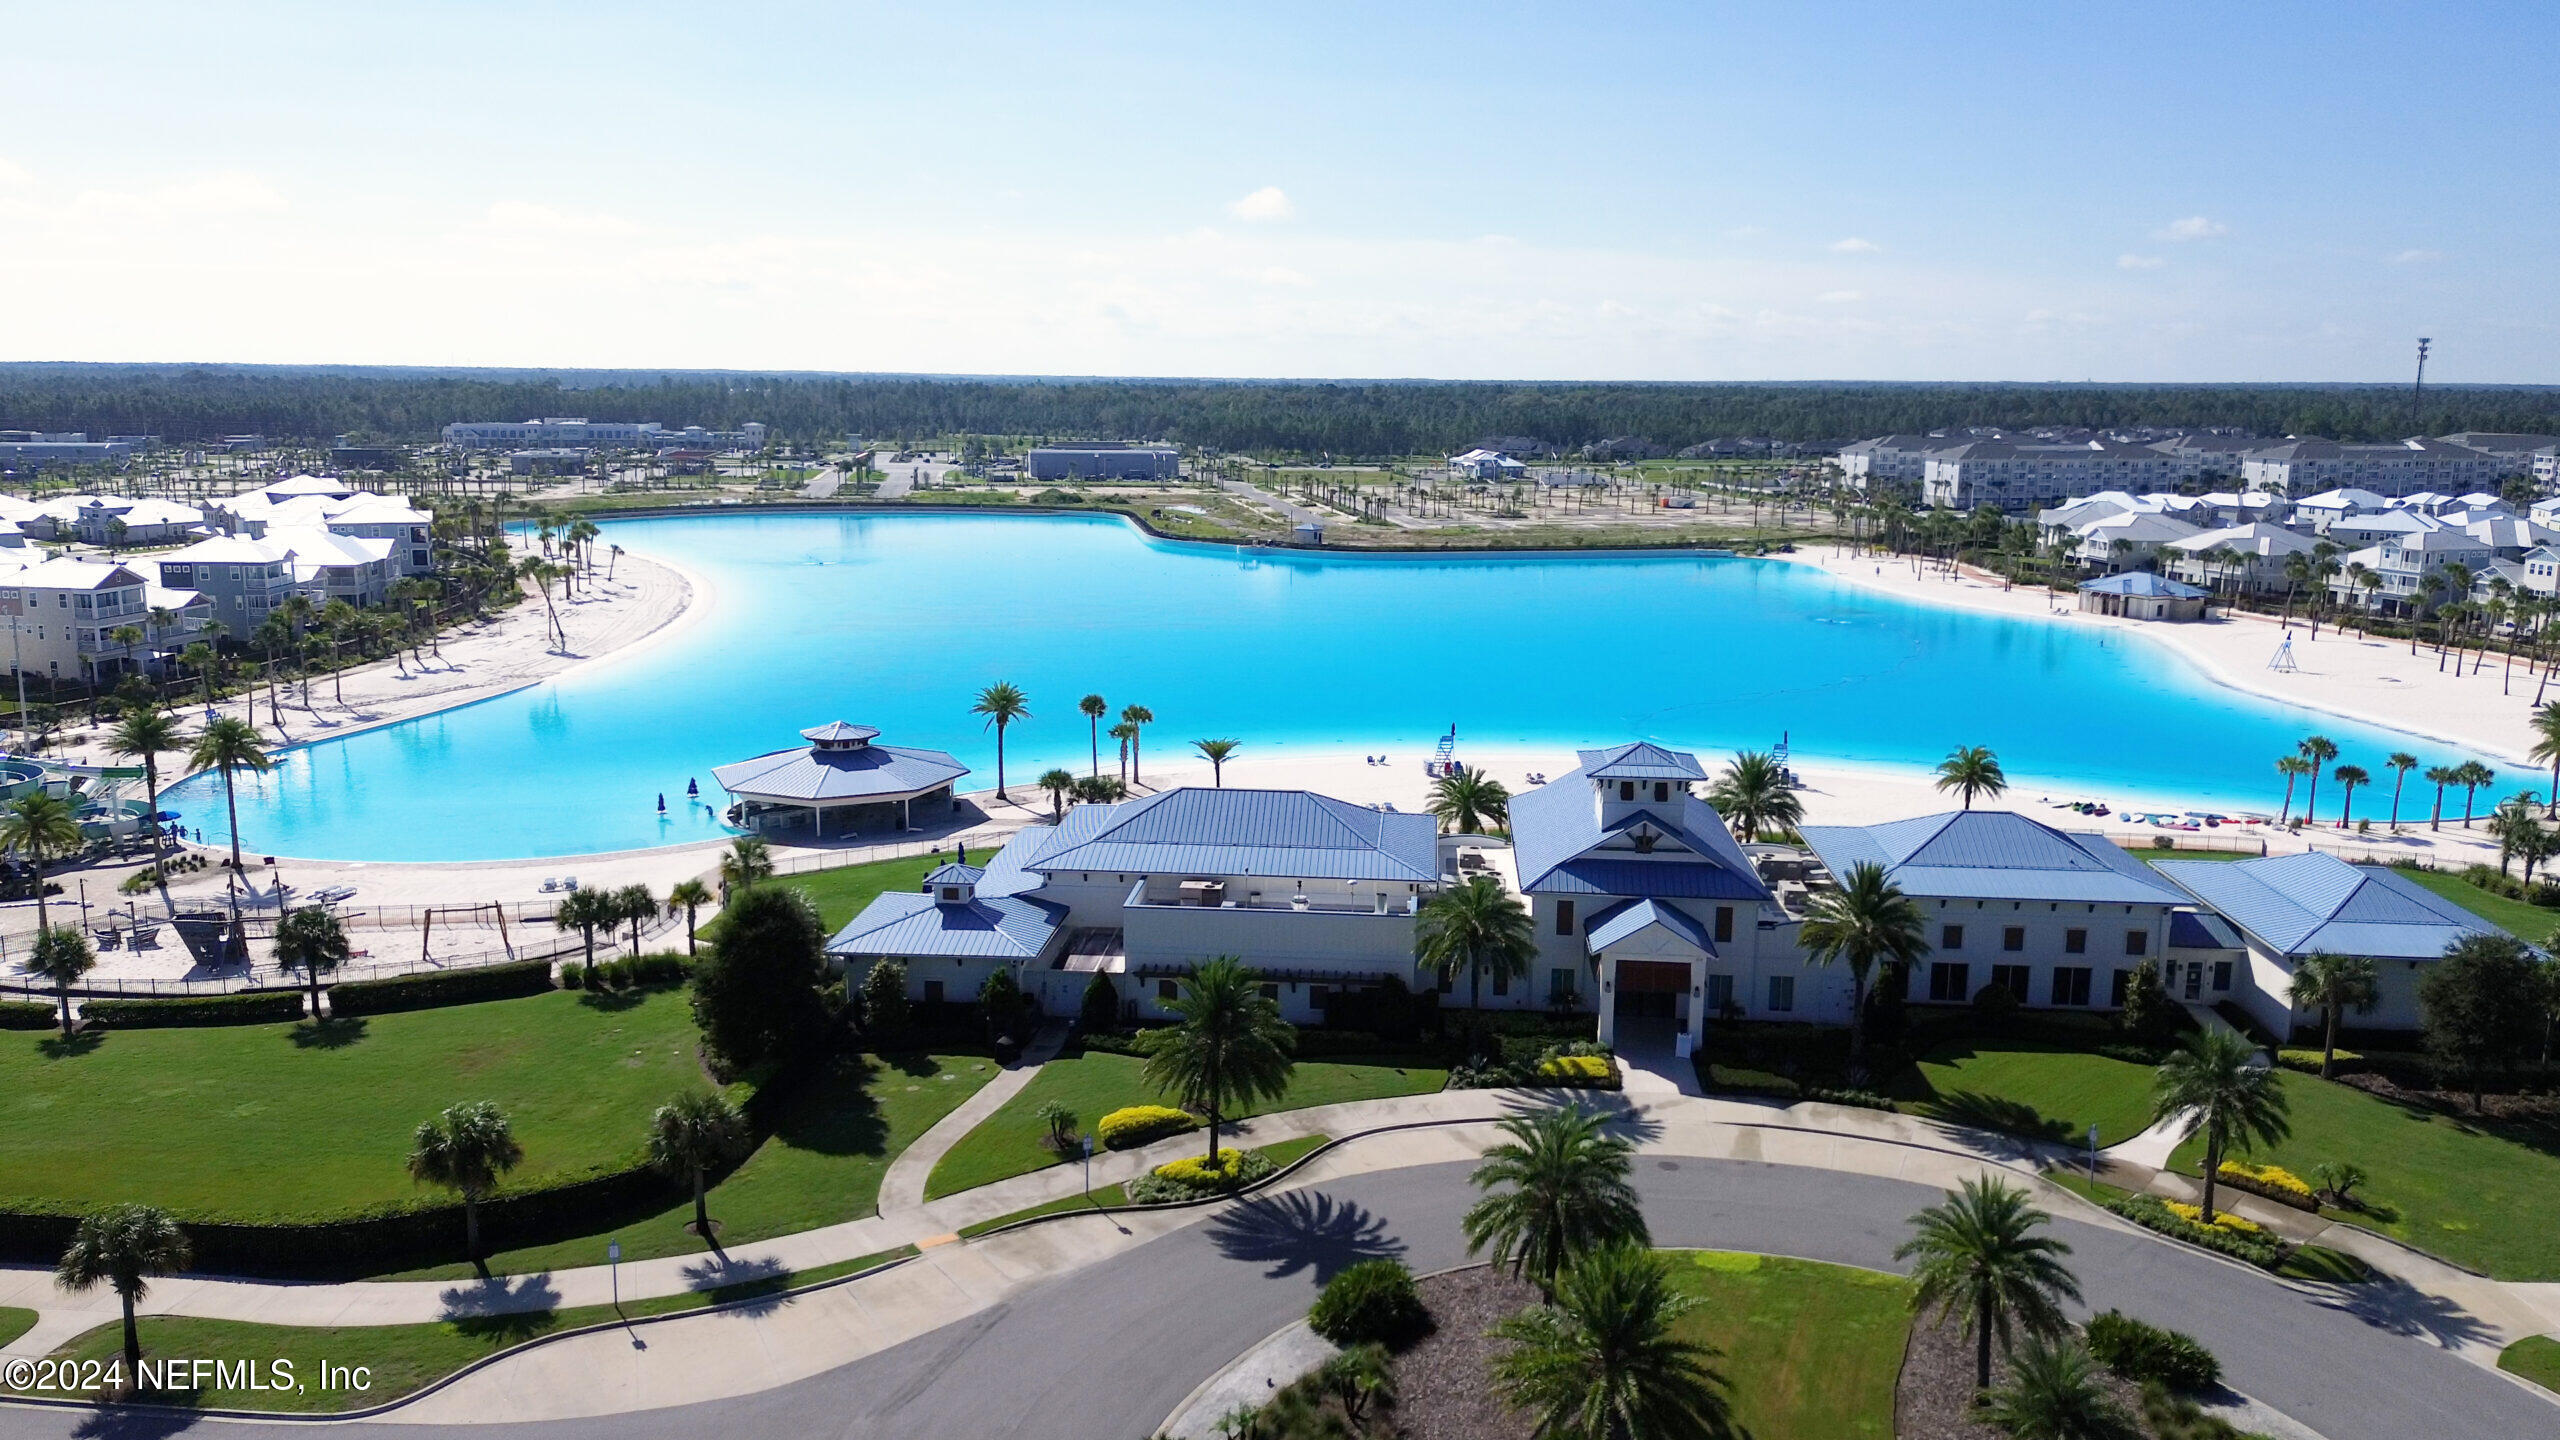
(2169, 192)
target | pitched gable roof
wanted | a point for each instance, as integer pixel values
(1992, 855)
(903, 922)
(2297, 904)
(1249, 832)
(1641, 760)
(1629, 918)
(1557, 839)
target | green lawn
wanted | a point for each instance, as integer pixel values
(2149, 853)
(400, 1358)
(821, 1166)
(1811, 1351)
(2529, 923)
(2536, 1358)
(2028, 1087)
(293, 1122)
(2476, 1193)
(1093, 1084)
(15, 1322)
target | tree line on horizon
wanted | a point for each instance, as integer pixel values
(185, 403)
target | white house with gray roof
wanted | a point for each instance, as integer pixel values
(2059, 918)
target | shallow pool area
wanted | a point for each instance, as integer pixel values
(897, 620)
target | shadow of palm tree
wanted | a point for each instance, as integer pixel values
(836, 1111)
(1976, 1110)
(331, 1034)
(610, 1000)
(1302, 1230)
(58, 1046)
(112, 1423)
(758, 1283)
(2395, 1305)
(500, 1296)
(1624, 1118)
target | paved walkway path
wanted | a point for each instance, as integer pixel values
(902, 1189)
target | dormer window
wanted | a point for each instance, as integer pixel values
(951, 894)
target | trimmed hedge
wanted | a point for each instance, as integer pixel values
(2140, 1352)
(448, 987)
(1135, 1125)
(2274, 1182)
(246, 1007)
(28, 1015)
(1372, 1302)
(662, 968)
(2153, 1213)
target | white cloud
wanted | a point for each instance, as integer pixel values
(1267, 203)
(1840, 297)
(2193, 227)
(1281, 275)
(13, 173)
(2417, 257)
(531, 216)
(1854, 246)
(2130, 261)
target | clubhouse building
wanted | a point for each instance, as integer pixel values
(841, 783)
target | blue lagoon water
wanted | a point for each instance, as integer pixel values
(896, 621)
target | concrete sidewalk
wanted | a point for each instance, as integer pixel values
(902, 1188)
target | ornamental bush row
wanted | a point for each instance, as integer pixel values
(2153, 1213)
(246, 1007)
(1137, 1125)
(631, 972)
(445, 987)
(1192, 1176)
(28, 1015)
(2140, 1351)
(2271, 1181)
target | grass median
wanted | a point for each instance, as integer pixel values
(1812, 1350)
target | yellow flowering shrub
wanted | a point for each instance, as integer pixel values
(2194, 1215)
(1139, 1124)
(2274, 1177)
(1577, 1068)
(1197, 1172)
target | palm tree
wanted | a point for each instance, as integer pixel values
(1866, 918)
(1100, 790)
(2546, 747)
(1002, 703)
(2471, 775)
(2292, 768)
(1554, 1192)
(542, 572)
(583, 909)
(2400, 763)
(688, 895)
(635, 906)
(1467, 800)
(2348, 778)
(1475, 927)
(1217, 752)
(1125, 733)
(1227, 1046)
(311, 940)
(1137, 718)
(1980, 1261)
(1093, 708)
(2056, 1393)
(2441, 776)
(148, 732)
(1753, 795)
(200, 658)
(2319, 750)
(693, 1135)
(467, 1150)
(61, 954)
(1972, 770)
(230, 746)
(748, 860)
(2213, 1086)
(124, 1247)
(342, 622)
(41, 827)
(1603, 1361)
(1058, 782)
(2331, 983)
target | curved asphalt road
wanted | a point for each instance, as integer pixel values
(1107, 1352)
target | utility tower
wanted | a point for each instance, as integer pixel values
(2418, 387)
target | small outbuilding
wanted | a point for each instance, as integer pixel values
(841, 783)
(2142, 595)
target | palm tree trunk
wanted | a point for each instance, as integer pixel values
(231, 802)
(1857, 1026)
(1213, 1107)
(1097, 747)
(35, 862)
(132, 1344)
(471, 1225)
(690, 949)
(1000, 760)
(701, 1207)
(62, 992)
(2329, 1043)
(2212, 1168)
(1982, 1343)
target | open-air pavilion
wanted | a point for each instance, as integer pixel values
(840, 783)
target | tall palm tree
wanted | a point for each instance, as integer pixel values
(1093, 708)
(2440, 776)
(467, 1150)
(2348, 778)
(1137, 718)
(1980, 1261)
(2331, 983)
(341, 622)
(1058, 782)
(1475, 927)
(41, 826)
(1553, 1193)
(2292, 768)
(634, 906)
(201, 658)
(1228, 1046)
(689, 895)
(2319, 750)
(1865, 919)
(1753, 795)
(1971, 770)
(124, 1247)
(1468, 800)
(2055, 1392)
(2400, 763)
(2546, 747)
(1002, 703)
(2471, 775)
(230, 746)
(748, 860)
(2215, 1088)
(62, 955)
(147, 733)
(542, 572)
(584, 909)
(311, 940)
(693, 1135)
(1126, 734)
(1217, 752)
(1604, 1361)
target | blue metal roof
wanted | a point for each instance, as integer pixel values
(810, 775)
(1992, 855)
(1561, 849)
(1294, 833)
(954, 873)
(2201, 930)
(2298, 904)
(1641, 760)
(904, 923)
(1623, 921)
(2142, 584)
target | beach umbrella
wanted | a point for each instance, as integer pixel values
(662, 802)
(964, 852)
(693, 788)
